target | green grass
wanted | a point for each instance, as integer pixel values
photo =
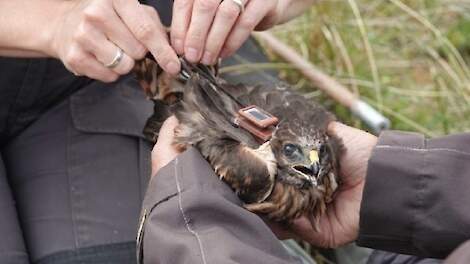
(409, 59)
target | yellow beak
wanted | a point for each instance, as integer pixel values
(313, 157)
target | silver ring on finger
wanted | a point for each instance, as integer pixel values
(240, 5)
(116, 60)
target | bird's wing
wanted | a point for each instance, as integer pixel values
(205, 122)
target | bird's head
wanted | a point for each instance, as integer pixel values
(304, 154)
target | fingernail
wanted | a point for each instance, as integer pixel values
(191, 54)
(207, 58)
(178, 46)
(173, 67)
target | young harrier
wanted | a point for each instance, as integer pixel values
(269, 144)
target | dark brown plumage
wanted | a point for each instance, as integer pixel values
(292, 174)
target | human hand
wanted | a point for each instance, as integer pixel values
(204, 30)
(340, 223)
(89, 34)
(164, 150)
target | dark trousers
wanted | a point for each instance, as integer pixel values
(72, 182)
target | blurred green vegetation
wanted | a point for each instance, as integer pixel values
(409, 59)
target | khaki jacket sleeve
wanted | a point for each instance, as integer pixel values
(416, 198)
(190, 216)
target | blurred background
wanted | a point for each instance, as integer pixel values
(408, 59)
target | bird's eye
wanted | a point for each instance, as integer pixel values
(290, 150)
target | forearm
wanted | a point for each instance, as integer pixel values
(27, 26)
(292, 8)
(416, 195)
(186, 198)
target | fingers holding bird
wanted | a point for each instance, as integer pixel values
(204, 30)
(224, 20)
(255, 14)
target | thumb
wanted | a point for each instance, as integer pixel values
(167, 132)
(164, 151)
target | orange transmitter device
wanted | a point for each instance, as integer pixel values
(257, 121)
(258, 116)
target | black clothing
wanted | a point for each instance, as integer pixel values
(193, 217)
(28, 87)
(77, 175)
(416, 195)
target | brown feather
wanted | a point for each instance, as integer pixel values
(262, 175)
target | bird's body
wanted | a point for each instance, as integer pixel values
(294, 173)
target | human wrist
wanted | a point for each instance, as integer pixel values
(50, 40)
(19, 28)
(26, 32)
